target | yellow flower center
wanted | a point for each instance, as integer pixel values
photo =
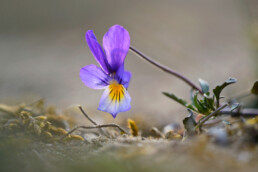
(116, 91)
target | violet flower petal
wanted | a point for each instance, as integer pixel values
(123, 77)
(97, 51)
(94, 77)
(126, 79)
(116, 44)
(114, 102)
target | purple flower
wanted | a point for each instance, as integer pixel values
(111, 75)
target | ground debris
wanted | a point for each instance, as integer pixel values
(34, 121)
(29, 141)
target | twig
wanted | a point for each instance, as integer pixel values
(166, 69)
(94, 127)
(210, 115)
(246, 112)
(91, 120)
(84, 113)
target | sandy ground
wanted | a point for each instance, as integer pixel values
(130, 154)
(42, 49)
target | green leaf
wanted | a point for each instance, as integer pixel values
(218, 89)
(192, 92)
(174, 97)
(199, 105)
(191, 107)
(254, 89)
(204, 85)
(190, 123)
(179, 100)
(209, 102)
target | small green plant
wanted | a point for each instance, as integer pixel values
(205, 103)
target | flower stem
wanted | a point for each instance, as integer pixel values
(166, 69)
(210, 115)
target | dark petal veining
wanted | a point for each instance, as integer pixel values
(123, 77)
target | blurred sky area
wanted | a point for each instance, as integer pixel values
(42, 49)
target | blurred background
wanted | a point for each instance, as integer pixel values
(42, 49)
